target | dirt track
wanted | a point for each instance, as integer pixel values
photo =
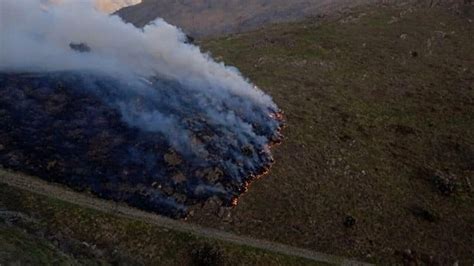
(51, 190)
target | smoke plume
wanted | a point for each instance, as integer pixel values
(208, 115)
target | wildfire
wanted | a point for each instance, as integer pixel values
(163, 143)
(279, 116)
(234, 201)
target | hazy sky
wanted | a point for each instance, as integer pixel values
(108, 6)
(113, 5)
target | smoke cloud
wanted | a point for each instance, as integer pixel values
(35, 39)
(158, 82)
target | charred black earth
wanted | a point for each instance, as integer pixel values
(70, 128)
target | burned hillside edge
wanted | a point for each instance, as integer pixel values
(134, 115)
(59, 127)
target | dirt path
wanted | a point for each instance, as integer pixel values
(41, 187)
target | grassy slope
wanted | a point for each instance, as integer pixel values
(41, 231)
(372, 114)
(368, 125)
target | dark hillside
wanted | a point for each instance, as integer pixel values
(214, 17)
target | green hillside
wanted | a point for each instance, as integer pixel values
(38, 230)
(377, 161)
(380, 110)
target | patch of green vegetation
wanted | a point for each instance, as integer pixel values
(377, 102)
(17, 247)
(45, 231)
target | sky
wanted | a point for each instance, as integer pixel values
(111, 6)
(107, 6)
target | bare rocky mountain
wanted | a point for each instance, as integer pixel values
(213, 17)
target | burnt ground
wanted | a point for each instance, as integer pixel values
(69, 128)
(377, 160)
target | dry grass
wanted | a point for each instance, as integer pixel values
(379, 105)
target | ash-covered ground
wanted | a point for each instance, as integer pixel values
(71, 128)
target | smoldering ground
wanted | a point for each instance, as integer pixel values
(140, 116)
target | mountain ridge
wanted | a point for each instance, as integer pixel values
(214, 17)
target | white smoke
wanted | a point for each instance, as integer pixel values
(35, 36)
(170, 94)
